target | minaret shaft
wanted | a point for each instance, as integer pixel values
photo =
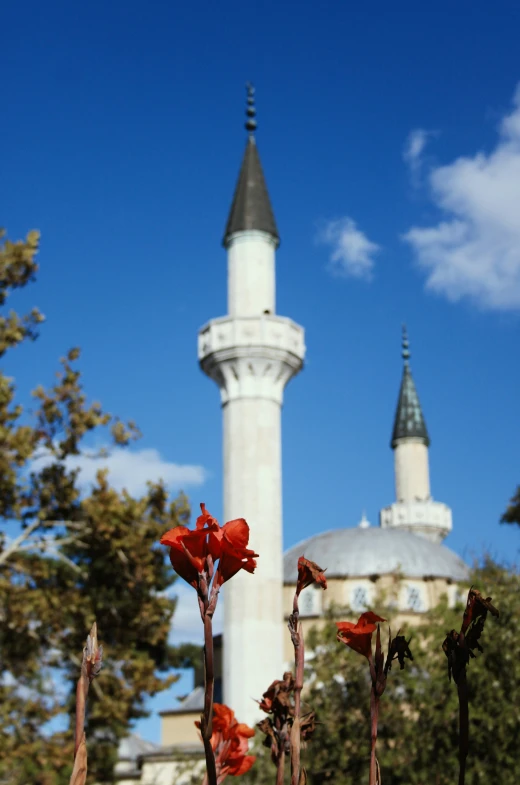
(251, 274)
(253, 611)
(252, 359)
(412, 472)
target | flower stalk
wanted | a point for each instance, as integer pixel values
(229, 743)
(193, 555)
(90, 667)
(206, 720)
(295, 628)
(358, 637)
(459, 648)
(462, 691)
(280, 766)
(308, 573)
(278, 702)
(374, 717)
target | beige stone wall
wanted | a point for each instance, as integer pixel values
(390, 589)
(179, 728)
(170, 772)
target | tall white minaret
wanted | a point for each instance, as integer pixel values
(414, 509)
(252, 354)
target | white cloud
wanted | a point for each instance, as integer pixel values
(186, 624)
(352, 254)
(474, 251)
(132, 469)
(414, 149)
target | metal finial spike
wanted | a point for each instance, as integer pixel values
(405, 346)
(250, 109)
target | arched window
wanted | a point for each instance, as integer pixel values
(457, 595)
(414, 600)
(359, 599)
(310, 602)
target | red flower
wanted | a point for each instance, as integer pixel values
(308, 573)
(189, 550)
(359, 636)
(234, 555)
(229, 742)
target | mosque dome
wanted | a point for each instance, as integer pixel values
(366, 552)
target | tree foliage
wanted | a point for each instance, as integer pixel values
(78, 555)
(512, 513)
(418, 725)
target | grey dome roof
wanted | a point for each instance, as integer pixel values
(359, 552)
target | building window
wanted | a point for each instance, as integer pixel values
(457, 596)
(359, 599)
(414, 600)
(310, 602)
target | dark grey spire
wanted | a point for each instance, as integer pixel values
(409, 420)
(251, 207)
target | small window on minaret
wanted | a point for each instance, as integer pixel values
(267, 311)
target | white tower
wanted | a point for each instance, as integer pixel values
(414, 509)
(252, 354)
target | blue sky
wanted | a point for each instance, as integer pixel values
(390, 140)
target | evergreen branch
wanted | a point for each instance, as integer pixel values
(16, 543)
(46, 542)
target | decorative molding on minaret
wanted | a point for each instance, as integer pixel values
(414, 509)
(252, 354)
(251, 357)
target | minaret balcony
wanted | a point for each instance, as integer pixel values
(426, 518)
(251, 356)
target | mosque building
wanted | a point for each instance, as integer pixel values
(251, 354)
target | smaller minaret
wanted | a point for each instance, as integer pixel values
(414, 509)
(410, 440)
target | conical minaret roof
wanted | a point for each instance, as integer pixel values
(409, 419)
(251, 207)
